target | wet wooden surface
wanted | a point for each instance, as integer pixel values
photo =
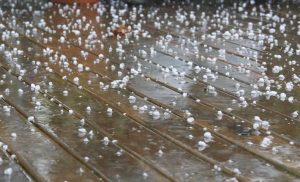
(166, 91)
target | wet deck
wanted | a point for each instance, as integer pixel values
(191, 92)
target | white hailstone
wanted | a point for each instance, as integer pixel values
(6, 91)
(190, 137)
(8, 171)
(50, 84)
(266, 142)
(82, 130)
(20, 91)
(76, 80)
(143, 108)
(14, 135)
(122, 66)
(207, 136)
(256, 126)
(113, 67)
(145, 175)
(119, 153)
(38, 104)
(71, 111)
(143, 53)
(276, 69)
(289, 86)
(80, 67)
(61, 39)
(197, 69)
(291, 99)
(265, 125)
(86, 159)
(295, 114)
(91, 134)
(88, 109)
(222, 54)
(219, 115)
(237, 86)
(82, 122)
(6, 109)
(227, 35)
(255, 93)
(37, 88)
(277, 56)
(156, 114)
(135, 107)
(86, 140)
(190, 120)
(131, 99)
(281, 77)
(109, 111)
(5, 147)
(201, 145)
(282, 96)
(261, 82)
(237, 171)
(272, 30)
(167, 115)
(30, 119)
(160, 153)
(105, 140)
(65, 93)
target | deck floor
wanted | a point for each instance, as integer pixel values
(167, 91)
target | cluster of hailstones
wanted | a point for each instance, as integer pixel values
(280, 73)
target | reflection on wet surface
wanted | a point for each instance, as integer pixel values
(191, 91)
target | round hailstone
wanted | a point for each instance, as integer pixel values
(219, 115)
(201, 145)
(30, 119)
(76, 80)
(20, 91)
(8, 171)
(266, 142)
(256, 126)
(295, 114)
(6, 109)
(50, 84)
(289, 86)
(105, 140)
(167, 115)
(65, 93)
(160, 153)
(14, 135)
(88, 109)
(109, 111)
(156, 114)
(82, 130)
(237, 171)
(80, 67)
(282, 96)
(190, 120)
(131, 99)
(207, 136)
(145, 175)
